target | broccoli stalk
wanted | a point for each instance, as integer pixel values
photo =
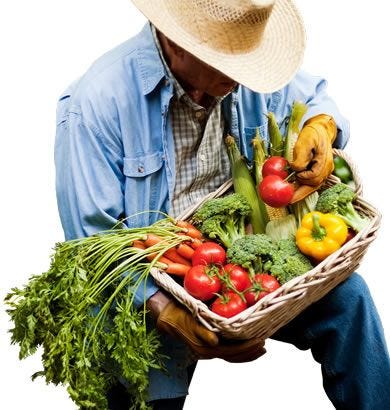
(223, 218)
(338, 200)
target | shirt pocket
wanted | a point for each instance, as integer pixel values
(63, 103)
(142, 166)
(145, 186)
(250, 133)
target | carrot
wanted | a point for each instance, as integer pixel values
(195, 243)
(174, 256)
(152, 239)
(175, 268)
(189, 229)
(185, 251)
(150, 256)
(138, 245)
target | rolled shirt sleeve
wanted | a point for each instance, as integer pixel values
(312, 91)
(89, 183)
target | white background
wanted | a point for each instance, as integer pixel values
(45, 45)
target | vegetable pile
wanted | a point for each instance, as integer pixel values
(267, 240)
(236, 250)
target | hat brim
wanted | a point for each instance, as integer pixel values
(267, 68)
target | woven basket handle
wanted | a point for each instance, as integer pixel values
(355, 173)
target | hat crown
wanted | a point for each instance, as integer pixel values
(233, 26)
(233, 10)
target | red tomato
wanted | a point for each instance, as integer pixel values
(202, 282)
(275, 166)
(209, 253)
(275, 191)
(262, 284)
(228, 305)
(238, 277)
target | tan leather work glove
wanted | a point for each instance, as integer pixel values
(178, 322)
(313, 157)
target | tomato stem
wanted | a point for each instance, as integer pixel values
(287, 179)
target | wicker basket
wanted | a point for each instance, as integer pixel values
(279, 307)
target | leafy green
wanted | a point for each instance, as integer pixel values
(81, 313)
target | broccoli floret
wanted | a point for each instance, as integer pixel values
(223, 218)
(338, 200)
(258, 253)
(288, 262)
(251, 252)
(287, 247)
(290, 268)
(222, 227)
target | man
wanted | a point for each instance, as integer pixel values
(143, 130)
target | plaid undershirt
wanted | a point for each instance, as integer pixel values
(202, 164)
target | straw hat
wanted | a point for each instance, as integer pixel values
(258, 43)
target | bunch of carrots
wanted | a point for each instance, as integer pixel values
(175, 260)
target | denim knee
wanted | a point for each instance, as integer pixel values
(354, 288)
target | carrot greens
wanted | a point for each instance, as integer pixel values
(81, 314)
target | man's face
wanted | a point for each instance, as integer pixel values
(193, 74)
(197, 75)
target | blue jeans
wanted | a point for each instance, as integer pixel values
(345, 335)
(344, 332)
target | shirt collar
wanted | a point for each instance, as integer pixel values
(179, 91)
(151, 68)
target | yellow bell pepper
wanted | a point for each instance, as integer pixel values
(321, 234)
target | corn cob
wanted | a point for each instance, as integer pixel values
(276, 148)
(244, 184)
(275, 136)
(298, 111)
(276, 213)
(259, 157)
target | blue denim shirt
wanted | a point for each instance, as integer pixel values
(114, 151)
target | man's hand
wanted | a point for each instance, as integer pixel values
(178, 322)
(313, 157)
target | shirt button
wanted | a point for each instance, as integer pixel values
(199, 114)
(202, 157)
(141, 169)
